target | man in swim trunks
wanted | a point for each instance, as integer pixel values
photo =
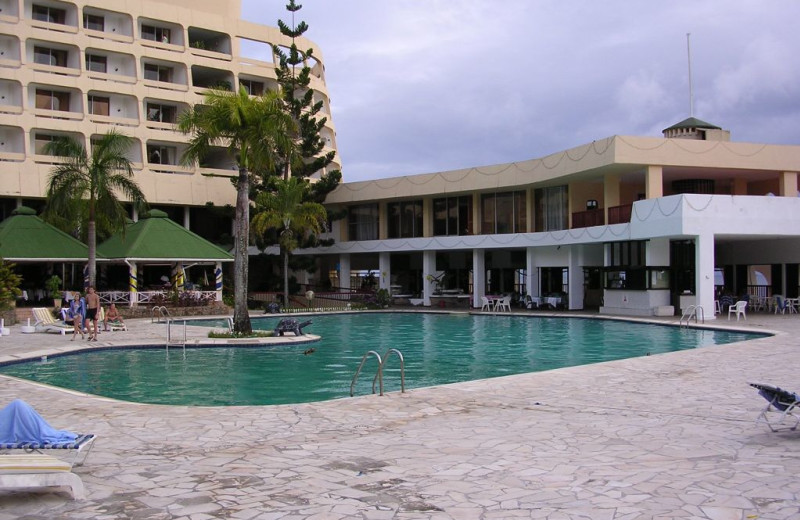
(113, 317)
(92, 308)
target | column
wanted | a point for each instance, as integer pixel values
(385, 267)
(654, 182)
(428, 268)
(427, 217)
(478, 277)
(787, 185)
(344, 271)
(383, 221)
(187, 217)
(704, 274)
(575, 277)
(218, 280)
(133, 284)
(532, 280)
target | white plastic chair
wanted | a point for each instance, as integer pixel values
(486, 305)
(503, 304)
(739, 309)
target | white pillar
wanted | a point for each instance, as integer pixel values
(385, 268)
(428, 269)
(704, 274)
(218, 280)
(344, 271)
(575, 277)
(478, 277)
(186, 217)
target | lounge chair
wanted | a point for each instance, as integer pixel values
(112, 325)
(782, 403)
(22, 428)
(45, 322)
(35, 470)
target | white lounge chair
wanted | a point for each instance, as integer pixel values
(36, 470)
(45, 322)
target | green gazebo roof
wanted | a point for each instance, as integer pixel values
(24, 237)
(156, 237)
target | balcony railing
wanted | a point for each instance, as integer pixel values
(620, 214)
(588, 218)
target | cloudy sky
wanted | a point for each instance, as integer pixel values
(420, 86)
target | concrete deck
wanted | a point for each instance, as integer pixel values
(664, 436)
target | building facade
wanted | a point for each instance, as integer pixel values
(81, 68)
(626, 225)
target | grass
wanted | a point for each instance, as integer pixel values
(224, 334)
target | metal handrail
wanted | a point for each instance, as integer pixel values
(692, 311)
(175, 341)
(364, 360)
(159, 312)
(379, 375)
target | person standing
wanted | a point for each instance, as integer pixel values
(92, 309)
(77, 314)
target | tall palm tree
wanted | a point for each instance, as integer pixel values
(284, 210)
(86, 186)
(254, 130)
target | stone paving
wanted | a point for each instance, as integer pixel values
(668, 436)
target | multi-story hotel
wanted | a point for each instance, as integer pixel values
(626, 225)
(81, 68)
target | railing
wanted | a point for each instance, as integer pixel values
(379, 373)
(152, 296)
(588, 218)
(692, 311)
(158, 312)
(620, 214)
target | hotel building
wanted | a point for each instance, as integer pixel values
(80, 68)
(626, 225)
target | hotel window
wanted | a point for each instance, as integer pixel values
(155, 72)
(94, 22)
(503, 213)
(404, 219)
(452, 216)
(161, 113)
(156, 34)
(49, 14)
(552, 207)
(99, 105)
(96, 63)
(158, 154)
(48, 56)
(362, 222)
(52, 100)
(254, 88)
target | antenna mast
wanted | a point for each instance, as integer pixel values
(689, 55)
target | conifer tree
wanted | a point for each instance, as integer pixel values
(294, 77)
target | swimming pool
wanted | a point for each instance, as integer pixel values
(438, 349)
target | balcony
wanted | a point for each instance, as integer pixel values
(161, 35)
(210, 44)
(108, 25)
(165, 75)
(9, 11)
(112, 109)
(12, 144)
(10, 97)
(53, 16)
(110, 66)
(55, 103)
(588, 218)
(53, 58)
(9, 51)
(620, 214)
(206, 78)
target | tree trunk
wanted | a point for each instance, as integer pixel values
(91, 236)
(286, 278)
(241, 318)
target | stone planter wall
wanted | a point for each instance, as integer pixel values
(216, 309)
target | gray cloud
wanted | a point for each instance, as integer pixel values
(422, 86)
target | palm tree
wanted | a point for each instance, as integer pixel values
(84, 188)
(254, 130)
(285, 211)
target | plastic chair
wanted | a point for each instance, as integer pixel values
(739, 309)
(486, 305)
(503, 304)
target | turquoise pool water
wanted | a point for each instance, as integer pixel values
(438, 349)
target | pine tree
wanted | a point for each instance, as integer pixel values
(294, 77)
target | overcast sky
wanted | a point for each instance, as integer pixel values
(420, 86)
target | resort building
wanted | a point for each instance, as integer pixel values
(80, 68)
(625, 225)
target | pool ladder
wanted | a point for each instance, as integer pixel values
(379, 374)
(692, 311)
(174, 338)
